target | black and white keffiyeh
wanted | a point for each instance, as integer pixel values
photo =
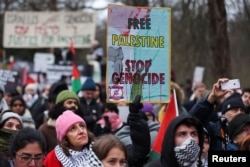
(187, 154)
(84, 158)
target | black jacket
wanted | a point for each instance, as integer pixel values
(90, 110)
(218, 142)
(140, 136)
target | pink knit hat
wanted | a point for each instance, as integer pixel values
(64, 122)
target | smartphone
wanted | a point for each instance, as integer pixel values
(231, 84)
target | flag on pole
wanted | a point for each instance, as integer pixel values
(170, 113)
(76, 80)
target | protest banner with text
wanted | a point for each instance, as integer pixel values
(49, 29)
(139, 53)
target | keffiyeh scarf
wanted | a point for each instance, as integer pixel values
(187, 153)
(84, 158)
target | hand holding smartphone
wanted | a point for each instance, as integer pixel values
(231, 84)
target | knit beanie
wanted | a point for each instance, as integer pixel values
(66, 94)
(9, 114)
(233, 101)
(89, 84)
(147, 107)
(64, 122)
(237, 123)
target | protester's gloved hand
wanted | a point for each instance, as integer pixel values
(136, 106)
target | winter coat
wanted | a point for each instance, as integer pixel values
(27, 119)
(51, 160)
(90, 110)
(86, 157)
(219, 139)
(138, 146)
(49, 132)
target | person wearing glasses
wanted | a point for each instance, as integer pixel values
(74, 144)
(27, 148)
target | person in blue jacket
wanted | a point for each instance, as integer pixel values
(217, 130)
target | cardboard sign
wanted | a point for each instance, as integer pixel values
(139, 52)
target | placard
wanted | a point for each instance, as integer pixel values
(139, 52)
(49, 29)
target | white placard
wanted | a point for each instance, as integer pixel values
(41, 60)
(198, 75)
(7, 76)
(49, 29)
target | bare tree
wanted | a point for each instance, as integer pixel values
(239, 36)
(200, 34)
(218, 39)
(189, 43)
(247, 9)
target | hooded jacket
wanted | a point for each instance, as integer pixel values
(168, 158)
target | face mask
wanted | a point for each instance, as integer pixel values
(187, 153)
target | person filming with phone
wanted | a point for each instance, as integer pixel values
(231, 107)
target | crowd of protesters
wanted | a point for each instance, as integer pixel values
(58, 127)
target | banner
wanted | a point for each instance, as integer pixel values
(139, 52)
(49, 29)
(7, 76)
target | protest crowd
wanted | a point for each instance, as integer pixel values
(62, 124)
(59, 127)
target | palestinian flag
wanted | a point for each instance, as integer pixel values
(76, 80)
(170, 113)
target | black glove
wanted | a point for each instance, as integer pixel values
(107, 123)
(136, 106)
